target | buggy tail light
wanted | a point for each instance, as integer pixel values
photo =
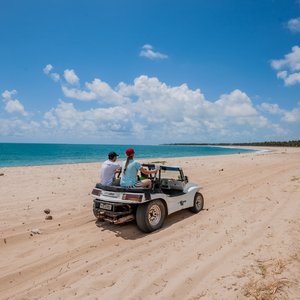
(96, 192)
(133, 197)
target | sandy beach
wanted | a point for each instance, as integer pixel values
(245, 244)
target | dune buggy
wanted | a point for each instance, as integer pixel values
(171, 191)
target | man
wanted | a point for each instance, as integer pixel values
(109, 168)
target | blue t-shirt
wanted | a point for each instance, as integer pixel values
(129, 178)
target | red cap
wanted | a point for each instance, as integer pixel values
(129, 152)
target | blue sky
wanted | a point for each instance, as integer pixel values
(149, 72)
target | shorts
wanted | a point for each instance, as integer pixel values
(138, 184)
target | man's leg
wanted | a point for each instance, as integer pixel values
(146, 183)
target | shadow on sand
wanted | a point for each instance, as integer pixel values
(130, 231)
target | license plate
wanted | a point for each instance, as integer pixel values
(105, 206)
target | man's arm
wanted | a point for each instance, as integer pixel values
(147, 172)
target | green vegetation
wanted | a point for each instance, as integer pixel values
(295, 143)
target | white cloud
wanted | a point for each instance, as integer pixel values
(54, 76)
(291, 60)
(158, 111)
(151, 110)
(236, 104)
(271, 108)
(148, 52)
(13, 105)
(16, 127)
(78, 94)
(71, 77)
(7, 95)
(97, 90)
(294, 25)
(48, 69)
(157, 102)
(291, 79)
(110, 122)
(288, 66)
(292, 116)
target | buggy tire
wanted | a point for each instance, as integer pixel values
(198, 203)
(96, 214)
(150, 216)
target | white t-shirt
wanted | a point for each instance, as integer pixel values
(107, 172)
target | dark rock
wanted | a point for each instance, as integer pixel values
(47, 211)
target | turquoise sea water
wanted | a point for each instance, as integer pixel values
(49, 154)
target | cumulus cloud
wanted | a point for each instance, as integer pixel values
(16, 127)
(148, 110)
(148, 52)
(48, 71)
(97, 90)
(107, 123)
(290, 61)
(158, 112)
(151, 110)
(294, 25)
(271, 108)
(292, 116)
(13, 105)
(288, 67)
(289, 79)
(236, 104)
(55, 77)
(71, 77)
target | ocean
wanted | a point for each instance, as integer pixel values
(13, 154)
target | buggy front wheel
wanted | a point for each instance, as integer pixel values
(198, 203)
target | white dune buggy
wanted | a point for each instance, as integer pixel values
(171, 191)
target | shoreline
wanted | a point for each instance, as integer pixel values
(250, 223)
(255, 150)
(54, 160)
(252, 150)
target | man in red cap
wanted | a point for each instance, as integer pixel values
(130, 168)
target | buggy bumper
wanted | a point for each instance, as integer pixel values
(116, 213)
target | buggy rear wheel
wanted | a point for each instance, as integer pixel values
(150, 216)
(198, 203)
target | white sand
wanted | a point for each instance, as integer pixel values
(245, 240)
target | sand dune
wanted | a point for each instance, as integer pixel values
(244, 244)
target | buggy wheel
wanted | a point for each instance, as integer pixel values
(150, 216)
(198, 203)
(96, 214)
